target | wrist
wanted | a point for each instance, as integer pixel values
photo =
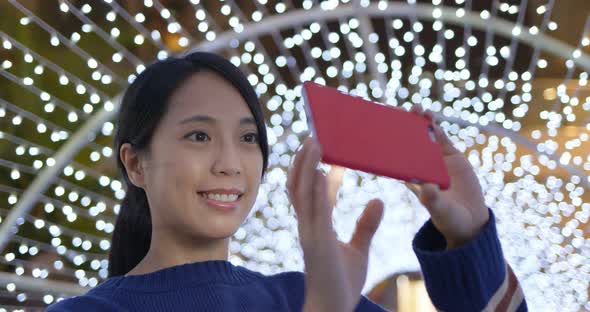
(307, 307)
(311, 303)
(453, 244)
(464, 237)
(458, 242)
(315, 304)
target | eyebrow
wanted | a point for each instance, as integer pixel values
(209, 119)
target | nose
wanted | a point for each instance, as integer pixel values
(227, 160)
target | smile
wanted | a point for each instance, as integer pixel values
(224, 202)
(221, 197)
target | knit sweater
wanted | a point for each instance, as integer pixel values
(474, 277)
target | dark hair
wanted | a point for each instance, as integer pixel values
(144, 104)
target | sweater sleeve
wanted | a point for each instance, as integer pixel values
(473, 277)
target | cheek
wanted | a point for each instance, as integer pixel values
(177, 174)
(173, 190)
(254, 173)
(187, 169)
(253, 164)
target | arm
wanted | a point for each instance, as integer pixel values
(335, 271)
(458, 249)
(473, 277)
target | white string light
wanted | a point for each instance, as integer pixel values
(86, 8)
(69, 43)
(541, 210)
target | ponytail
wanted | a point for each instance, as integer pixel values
(132, 234)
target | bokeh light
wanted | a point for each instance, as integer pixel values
(510, 97)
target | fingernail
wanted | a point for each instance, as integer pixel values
(300, 147)
(291, 160)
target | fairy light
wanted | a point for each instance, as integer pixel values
(75, 37)
(63, 78)
(529, 202)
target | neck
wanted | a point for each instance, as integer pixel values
(166, 252)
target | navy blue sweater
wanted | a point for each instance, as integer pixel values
(471, 278)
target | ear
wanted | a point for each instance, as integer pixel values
(133, 165)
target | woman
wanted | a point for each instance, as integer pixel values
(193, 151)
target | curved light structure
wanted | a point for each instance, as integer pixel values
(535, 176)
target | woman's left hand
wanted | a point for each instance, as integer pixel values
(459, 212)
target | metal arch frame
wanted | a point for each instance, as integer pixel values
(297, 17)
(369, 48)
(423, 11)
(37, 188)
(38, 284)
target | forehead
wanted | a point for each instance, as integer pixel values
(208, 93)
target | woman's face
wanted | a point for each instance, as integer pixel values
(204, 154)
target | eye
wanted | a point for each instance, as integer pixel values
(198, 136)
(250, 138)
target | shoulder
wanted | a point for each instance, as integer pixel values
(88, 302)
(99, 298)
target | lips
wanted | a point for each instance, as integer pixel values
(226, 191)
(232, 197)
(226, 199)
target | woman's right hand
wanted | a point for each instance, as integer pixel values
(335, 271)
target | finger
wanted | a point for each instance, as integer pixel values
(414, 188)
(334, 179)
(293, 174)
(428, 113)
(304, 183)
(417, 109)
(296, 163)
(367, 226)
(293, 178)
(441, 210)
(321, 212)
(446, 143)
(429, 195)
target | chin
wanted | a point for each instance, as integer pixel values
(220, 230)
(220, 235)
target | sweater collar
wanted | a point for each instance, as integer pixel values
(195, 273)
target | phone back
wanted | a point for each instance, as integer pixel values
(383, 140)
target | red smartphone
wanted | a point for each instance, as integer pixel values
(383, 140)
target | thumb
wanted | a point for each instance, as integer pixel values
(429, 194)
(447, 145)
(367, 226)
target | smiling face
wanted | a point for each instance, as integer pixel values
(203, 153)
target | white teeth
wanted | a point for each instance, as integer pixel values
(221, 197)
